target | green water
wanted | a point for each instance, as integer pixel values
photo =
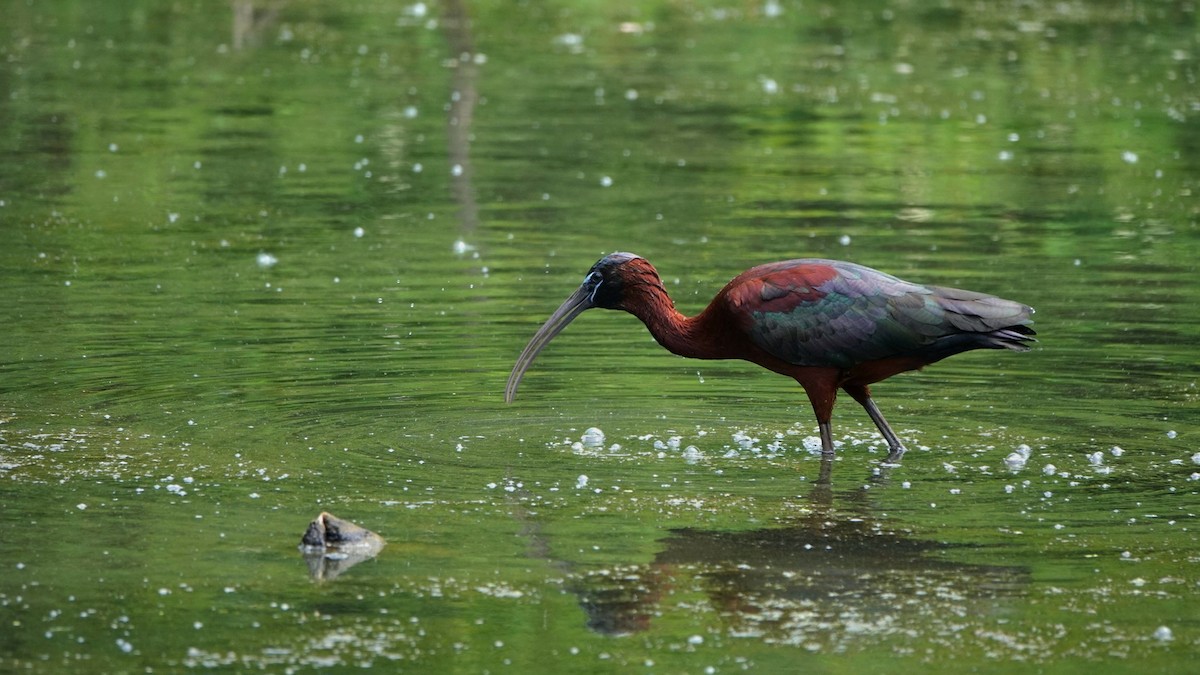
(264, 261)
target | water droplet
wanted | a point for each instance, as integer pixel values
(1015, 461)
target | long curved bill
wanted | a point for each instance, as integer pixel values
(572, 307)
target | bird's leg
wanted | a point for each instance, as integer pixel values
(821, 386)
(861, 394)
(826, 430)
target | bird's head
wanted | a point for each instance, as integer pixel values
(605, 283)
(604, 286)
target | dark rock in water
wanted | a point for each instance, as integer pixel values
(330, 531)
(332, 545)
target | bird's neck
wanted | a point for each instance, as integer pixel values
(691, 337)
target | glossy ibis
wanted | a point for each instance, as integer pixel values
(826, 323)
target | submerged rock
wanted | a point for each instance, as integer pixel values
(332, 545)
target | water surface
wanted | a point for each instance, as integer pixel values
(266, 260)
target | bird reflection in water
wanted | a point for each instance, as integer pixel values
(820, 580)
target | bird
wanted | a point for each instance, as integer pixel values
(828, 324)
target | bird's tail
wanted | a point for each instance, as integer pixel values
(987, 322)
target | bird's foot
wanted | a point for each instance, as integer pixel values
(893, 458)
